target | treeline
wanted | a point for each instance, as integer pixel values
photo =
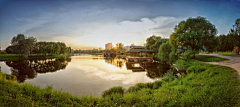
(25, 46)
(117, 49)
(193, 35)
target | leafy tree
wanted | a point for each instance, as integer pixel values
(119, 47)
(151, 41)
(236, 50)
(132, 44)
(10, 49)
(195, 34)
(63, 48)
(23, 46)
(156, 45)
(164, 50)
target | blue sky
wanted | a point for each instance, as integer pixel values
(87, 24)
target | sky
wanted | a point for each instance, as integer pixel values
(88, 24)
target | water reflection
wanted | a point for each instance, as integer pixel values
(153, 69)
(28, 69)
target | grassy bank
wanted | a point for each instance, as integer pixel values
(203, 85)
(96, 53)
(206, 58)
(227, 54)
(6, 57)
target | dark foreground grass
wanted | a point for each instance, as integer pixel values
(7, 57)
(203, 85)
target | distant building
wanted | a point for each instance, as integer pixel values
(145, 44)
(108, 46)
(137, 47)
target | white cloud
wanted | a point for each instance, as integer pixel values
(129, 32)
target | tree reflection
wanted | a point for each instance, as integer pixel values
(118, 62)
(28, 69)
(158, 70)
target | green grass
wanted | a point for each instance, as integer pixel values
(205, 85)
(7, 57)
(207, 58)
(227, 54)
(96, 53)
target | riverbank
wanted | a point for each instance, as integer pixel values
(11, 57)
(203, 85)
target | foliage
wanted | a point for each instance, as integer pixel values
(167, 53)
(188, 54)
(206, 58)
(232, 39)
(181, 65)
(26, 46)
(168, 77)
(236, 50)
(195, 34)
(119, 47)
(151, 41)
(157, 44)
(113, 90)
(195, 69)
(23, 45)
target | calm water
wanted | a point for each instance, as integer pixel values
(83, 74)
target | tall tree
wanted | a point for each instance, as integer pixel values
(151, 41)
(164, 51)
(156, 45)
(195, 34)
(119, 47)
(23, 46)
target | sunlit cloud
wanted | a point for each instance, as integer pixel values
(128, 32)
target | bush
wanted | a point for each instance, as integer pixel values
(113, 90)
(236, 50)
(181, 65)
(168, 77)
(196, 69)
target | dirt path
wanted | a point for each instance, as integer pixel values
(234, 62)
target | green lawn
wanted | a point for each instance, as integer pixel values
(206, 58)
(227, 54)
(96, 53)
(4, 57)
(203, 85)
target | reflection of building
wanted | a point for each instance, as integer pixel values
(139, 66)
(109, 54)
(108, 46)
(118, 62)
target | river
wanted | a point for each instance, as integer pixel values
(83, 74)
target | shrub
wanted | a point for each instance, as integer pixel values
(236, 50)
(113, 90)
(181, 65)
(168, 77)
(196, 69)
